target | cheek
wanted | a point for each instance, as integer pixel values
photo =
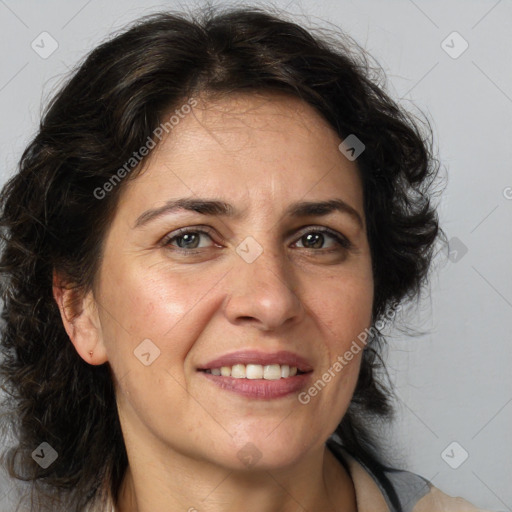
(347, 313)
(139, 298)
(155, 302)
(344, 309)
(168, 309)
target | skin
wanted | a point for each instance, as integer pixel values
(182, 433)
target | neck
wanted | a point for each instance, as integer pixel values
(318, 483)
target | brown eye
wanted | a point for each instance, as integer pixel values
(316, 238)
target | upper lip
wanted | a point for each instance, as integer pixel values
(257, 357)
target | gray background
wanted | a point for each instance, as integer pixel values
(454, 381)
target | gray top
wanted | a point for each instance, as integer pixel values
(408, 487)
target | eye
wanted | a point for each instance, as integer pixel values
(315, 238)
(186, 239)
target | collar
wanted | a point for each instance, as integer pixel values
(369, 497)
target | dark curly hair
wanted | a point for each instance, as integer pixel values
(52, 221)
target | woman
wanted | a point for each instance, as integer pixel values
(202, 242)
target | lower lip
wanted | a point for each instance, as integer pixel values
(261, 388)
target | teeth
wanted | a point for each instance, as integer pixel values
(255, 371)
(238, 371)
(272, 372)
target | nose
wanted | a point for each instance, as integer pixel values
(261, 293)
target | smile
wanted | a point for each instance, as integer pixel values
(256, 371)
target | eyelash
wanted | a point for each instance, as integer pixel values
(340, 239)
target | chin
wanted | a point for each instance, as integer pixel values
(264, 452)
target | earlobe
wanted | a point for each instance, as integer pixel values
(80, 318)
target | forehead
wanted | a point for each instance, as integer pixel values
(242, 121)
(266, 146)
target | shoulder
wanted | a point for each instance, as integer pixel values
(394, 490)
(436, 500)
(416, 494)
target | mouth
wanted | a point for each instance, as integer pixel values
(253, 364)
(256, 374)
(256, 371)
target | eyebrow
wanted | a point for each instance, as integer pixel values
(223, 209)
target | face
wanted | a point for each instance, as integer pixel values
(180, 288)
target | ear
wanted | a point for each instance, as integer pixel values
(81, 320)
